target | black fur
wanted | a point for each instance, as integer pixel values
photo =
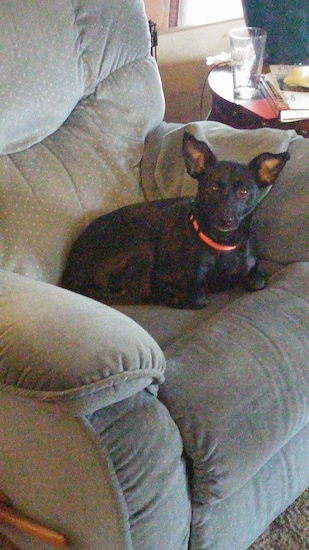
(155, 253)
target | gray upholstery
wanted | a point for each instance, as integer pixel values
(65, 349)
(287, 240)
(256, 419)
(90, 164)
(136, 428)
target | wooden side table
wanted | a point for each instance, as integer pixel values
(251, 114)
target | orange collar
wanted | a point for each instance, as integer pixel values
(208, 240)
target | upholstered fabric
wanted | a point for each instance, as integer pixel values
(56, 471)
(35, 102)
(262, 388)
(65, 348)
(152, 485)
(281, 222)
(90, 164)
(236, 522)
(39, 94)
(237, 386)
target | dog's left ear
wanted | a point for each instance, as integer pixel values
(268, 166)
(196, 154)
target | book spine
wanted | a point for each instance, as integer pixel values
(274, 95)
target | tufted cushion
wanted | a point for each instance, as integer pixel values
(57, 346)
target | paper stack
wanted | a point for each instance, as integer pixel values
(288, 88)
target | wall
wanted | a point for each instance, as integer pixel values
(158, 12)
(182, 63)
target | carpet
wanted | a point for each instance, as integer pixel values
(290, 531)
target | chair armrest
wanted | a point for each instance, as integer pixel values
(57, 346)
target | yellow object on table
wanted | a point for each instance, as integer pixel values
(299, 76)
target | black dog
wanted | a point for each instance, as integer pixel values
(175, 251)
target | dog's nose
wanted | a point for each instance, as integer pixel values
(227, 223)
(228, 220)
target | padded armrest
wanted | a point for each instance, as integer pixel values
(238, 385)
(57, 346)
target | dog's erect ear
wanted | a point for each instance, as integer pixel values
(196, 154)
(268, 166)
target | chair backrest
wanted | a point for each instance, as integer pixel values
(79, 92)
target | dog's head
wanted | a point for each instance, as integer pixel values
(229, 191)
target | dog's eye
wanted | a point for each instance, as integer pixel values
(242, 192)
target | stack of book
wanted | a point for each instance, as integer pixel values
(287, 87)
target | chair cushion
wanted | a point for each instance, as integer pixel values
(57, 346)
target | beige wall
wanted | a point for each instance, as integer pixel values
(158, 11)
(182, 63)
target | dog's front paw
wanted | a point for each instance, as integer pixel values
(200, 302)
(186, 302)
(255, 280)
(194, 302)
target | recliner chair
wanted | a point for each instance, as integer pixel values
(144, 427)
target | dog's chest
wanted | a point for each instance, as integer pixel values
(217, 270)
(181, 252)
